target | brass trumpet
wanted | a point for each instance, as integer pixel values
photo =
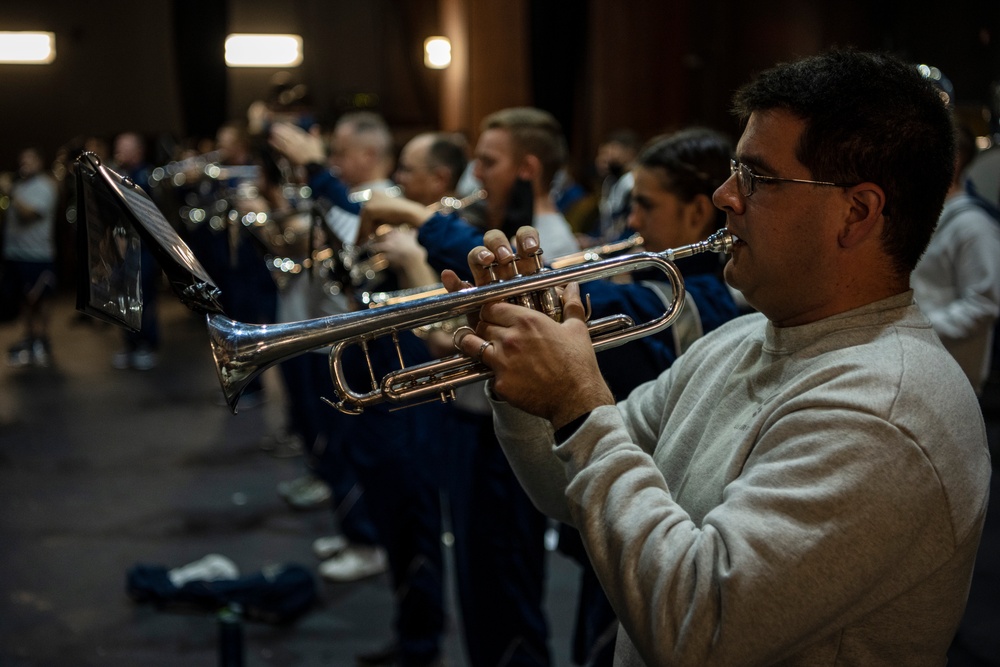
(367, 268)
(242, 351)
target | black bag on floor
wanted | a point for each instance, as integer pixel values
(276, 594)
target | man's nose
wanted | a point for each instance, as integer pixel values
(728, 197)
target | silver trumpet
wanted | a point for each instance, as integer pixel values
(174, 173)
(366, 267)
(242, 351)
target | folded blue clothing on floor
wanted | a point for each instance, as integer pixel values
(276, 594)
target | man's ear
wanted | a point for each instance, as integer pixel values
(865, 203)
(442, 177)
(530, 169)
(701, 212)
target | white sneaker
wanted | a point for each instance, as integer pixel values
(212, 567)
(290, 486)
(143, 359)
(354, 563)
(328, 547)
(305, 492)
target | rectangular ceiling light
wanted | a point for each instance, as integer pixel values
(244, 50)
(27, 48)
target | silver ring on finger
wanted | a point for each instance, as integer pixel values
(460, 333)
(482, 350)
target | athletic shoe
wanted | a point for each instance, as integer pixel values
(328, 547)
(305, 493)
(354, 563)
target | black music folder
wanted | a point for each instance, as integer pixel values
(113, 215)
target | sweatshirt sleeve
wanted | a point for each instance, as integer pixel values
(527, 443)
(780, 563)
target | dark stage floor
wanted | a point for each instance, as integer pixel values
(102, 469)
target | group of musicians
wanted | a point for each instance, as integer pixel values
(689, 530)
(329, 220)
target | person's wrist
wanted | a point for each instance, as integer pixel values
(563, 433)
(418, 215)
(570, 411)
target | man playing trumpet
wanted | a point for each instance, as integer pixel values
(806, 485)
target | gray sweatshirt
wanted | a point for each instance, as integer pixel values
(810, 495)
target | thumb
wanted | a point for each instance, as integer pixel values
(452, 282)
(572, 305)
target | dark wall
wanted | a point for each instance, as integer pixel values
(599, 64)
(653, 65)
(114, 71)
(156, 67)
(356, 55)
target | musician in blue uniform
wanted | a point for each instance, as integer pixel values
(675, 177)
(395, 453)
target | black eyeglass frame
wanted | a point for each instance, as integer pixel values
(747, 179)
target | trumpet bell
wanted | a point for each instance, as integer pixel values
(236, 355)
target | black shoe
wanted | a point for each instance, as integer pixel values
(387, 656)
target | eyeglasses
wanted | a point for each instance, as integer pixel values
(747, 179)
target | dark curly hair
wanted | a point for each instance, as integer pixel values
(690, 162)
(869, 117)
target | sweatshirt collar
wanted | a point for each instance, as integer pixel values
(893, 310)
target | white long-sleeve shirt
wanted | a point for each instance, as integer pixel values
(957, 284)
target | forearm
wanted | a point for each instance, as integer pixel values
(963, 318)
(416, 273)
(527, 444)
(25, 211)
(325, 185)
(448, 240)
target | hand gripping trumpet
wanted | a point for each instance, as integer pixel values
(242, 351)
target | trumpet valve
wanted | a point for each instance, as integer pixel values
(492, 269)
(550, 303)
(537, 256)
